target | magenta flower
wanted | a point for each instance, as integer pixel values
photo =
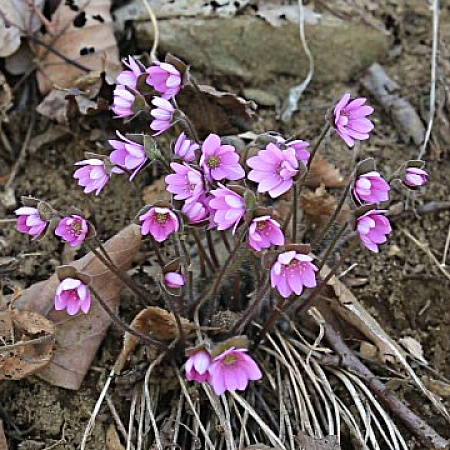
(373, 227)
(197, 366)
(72, 295)
(220, 162)
(273, 169)
(123, 102)
(73, 229)
(197, 211)
(128, 155)
(415, 177)
(163, 114)
(185, 149)
(350, 119)
(299, 146)
(292, 272)
(159, 222)
(174, 280)
(30, 222)
(186, 183)
(228, 208)
(263, 232)
(232, 370)
(165, 78)
(93, 176)
(130, 77)
(371, 188)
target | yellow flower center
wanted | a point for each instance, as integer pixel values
(213, 162)
(161, 218)
(229, 360)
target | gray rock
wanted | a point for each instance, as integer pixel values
(251, 48)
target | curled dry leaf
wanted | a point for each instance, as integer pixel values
(323, 172)
(27, 343)
(78, 337)
(84, 33)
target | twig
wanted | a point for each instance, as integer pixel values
(154, 21)
(428, 208)
(427, 435)
(435, 8)
(447, 245)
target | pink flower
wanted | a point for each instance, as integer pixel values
(123, 102)
(130, 77)
(350, 119)
(219, 161)
(174, 280)
(93, 176)
(371, 188)
(263, 232)
(165, 78)
(197, 366)
(292, 272)
(185, 149)
(160, 223)
(163, 114)
(73, 229)
(373, 227)
(228, 208)
(73, 295)
(232, 370)
(186, 183)
(299, 146)
(274, 169)
(129, 155)
(415, 177)
(30, 221)
(197, 211)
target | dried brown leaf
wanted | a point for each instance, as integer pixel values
(78, 337)
(83, 32)
(214, 111)
(310, 443)
(27, 343)
(319, 205)
(323, 172)
(156, 192)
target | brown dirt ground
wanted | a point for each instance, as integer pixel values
(400, 286)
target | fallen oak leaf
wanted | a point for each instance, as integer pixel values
(323, 172)
(79, 337)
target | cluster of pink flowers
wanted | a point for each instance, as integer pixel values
(231, 370)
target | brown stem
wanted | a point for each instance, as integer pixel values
(211, 248)
(427, 435)
(271, 321)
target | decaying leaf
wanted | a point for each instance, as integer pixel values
(78, 337)
(5, 97)
(26, 343)
(156, 192)
(17, 17)
(214, 111)
(309, 443)
(414, 348)
(84, 33)
(3, 443)
(323, 172)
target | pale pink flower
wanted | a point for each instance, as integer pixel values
(123, 102)
(174, 280)
(165, 78)
(163, 114)
(415, 177)
(373, 227)
(299, 146)
(220, 161)
(159, 222)
(197, 366)
(185, 148)
(30, 222)
(128, 155)
(232, 370)
(73, 229)
(130, 77)
(186, 183)
(273, 169)
(72, 295)
(93, 176)
(370, 187)
(263, 232)
(197, 211)
(292, 272)
(228, 208)
(350, 119)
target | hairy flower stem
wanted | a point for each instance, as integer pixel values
(271, 321)
(188, 125)
(225, 240)
(294, 212)
(204, 258)
(124, 326)
(331, 246)
(187, 268)
(302, 308)
(211, 248)
(157, 252)
(336, 212)
(176, 312)
(123, 276)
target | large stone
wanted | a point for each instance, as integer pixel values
(251, 48)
